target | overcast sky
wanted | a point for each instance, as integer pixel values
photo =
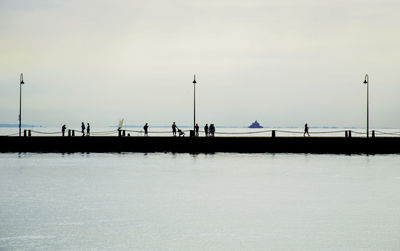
(282, 63)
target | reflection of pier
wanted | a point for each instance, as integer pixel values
(337, 145)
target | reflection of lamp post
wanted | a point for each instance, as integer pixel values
(366, 81)
(21, 82)
(194, 103)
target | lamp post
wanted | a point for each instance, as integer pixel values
(366, 81)
(194, 103)
(21, 82)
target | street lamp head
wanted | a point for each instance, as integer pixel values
(366, 79)
(21, 79)
(194, 81)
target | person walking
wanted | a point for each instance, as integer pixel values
(88, 130)
(206, 130)
(196, 128)
(63, 128)
(173, 129)
(145, 128)
(83, 129)
(306, 130)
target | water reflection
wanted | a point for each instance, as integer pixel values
(218, 201)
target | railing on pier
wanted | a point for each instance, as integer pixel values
(262, 133)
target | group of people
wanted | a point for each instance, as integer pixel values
(209, 130)
(64, 128)
(176, 131)
(87, 129)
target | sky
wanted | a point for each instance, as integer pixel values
(283, 63)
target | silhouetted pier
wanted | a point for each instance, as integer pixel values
(334, 145)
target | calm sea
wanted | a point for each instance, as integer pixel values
(224, 201)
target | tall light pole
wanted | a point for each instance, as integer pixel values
(366, 81)
(194, 103)
(21, 82)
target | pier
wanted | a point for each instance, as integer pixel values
(332, 145)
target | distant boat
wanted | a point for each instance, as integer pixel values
(255, 124)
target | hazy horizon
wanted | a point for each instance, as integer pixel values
(283, 63)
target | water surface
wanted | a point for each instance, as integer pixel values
(199, 202)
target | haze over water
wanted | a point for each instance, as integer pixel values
(222, 201)
(284, 63)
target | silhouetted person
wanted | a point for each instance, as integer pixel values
(306, 130)
(88, 130)
(206, 130)
(212, 130)
(119, 130)
(145, 127)
(196, 129)
(63, 128)
(174, 129)
(83, 129)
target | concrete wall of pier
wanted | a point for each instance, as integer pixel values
(335, 145)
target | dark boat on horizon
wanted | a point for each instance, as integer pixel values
(255, 124)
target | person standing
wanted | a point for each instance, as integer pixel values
(212, 130)
(206, 130)
(196, 128)
(63, 128)
(83, 129)
(173, 129)
(145, 128)
(306, 130)
(88, 130)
